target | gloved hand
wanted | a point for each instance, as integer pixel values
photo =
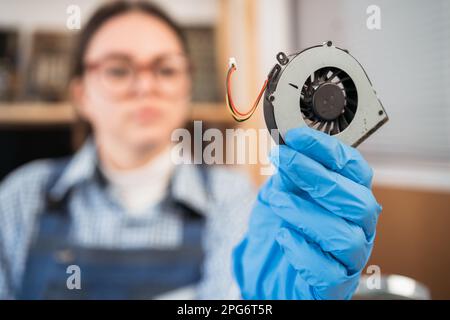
(313, 225)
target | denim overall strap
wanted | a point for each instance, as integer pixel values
(107, 273)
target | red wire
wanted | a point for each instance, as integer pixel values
(230, 99)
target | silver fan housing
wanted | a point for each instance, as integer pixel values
(281, 102)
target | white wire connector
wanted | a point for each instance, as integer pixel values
(232, 63)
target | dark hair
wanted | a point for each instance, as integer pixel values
(111, 10)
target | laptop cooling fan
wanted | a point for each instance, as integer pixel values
(322, 87)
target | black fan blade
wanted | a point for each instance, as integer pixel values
(306, 109)
(343, 124)
(350, 90)
(335, 129)
(321, 125)
(304, 104)
(351, 101)
(342, 80)
(333, 75)
(328, 127)
(348, 114)
(322, 74)
(307, 82)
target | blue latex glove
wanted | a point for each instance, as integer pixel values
(313, 225)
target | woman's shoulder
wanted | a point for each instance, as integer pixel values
(229, 174)
(228, 183)
(31, 177)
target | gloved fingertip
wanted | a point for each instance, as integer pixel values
(285, 236)
(285, 156)
(300, 135)
(290, 243)
(278, 199)
(282, 236)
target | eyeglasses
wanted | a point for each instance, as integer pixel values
(118, 74)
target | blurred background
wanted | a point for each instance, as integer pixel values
(407, 61)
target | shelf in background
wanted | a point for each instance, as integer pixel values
(47, 114)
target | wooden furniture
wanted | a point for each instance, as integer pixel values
(43, 114)
(413, 236)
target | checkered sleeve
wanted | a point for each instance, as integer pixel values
(20, 200)
(225, 228)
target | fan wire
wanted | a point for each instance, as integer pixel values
(237, 115)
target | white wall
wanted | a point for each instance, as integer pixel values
(408, 62)
(274, 32)
(29, 14)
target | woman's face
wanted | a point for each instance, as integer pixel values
(136, 87)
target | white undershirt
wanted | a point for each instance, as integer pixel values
(139, 189)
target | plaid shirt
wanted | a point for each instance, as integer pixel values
(98, 220)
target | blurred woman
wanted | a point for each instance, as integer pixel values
(136, 225)
(119, 220)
